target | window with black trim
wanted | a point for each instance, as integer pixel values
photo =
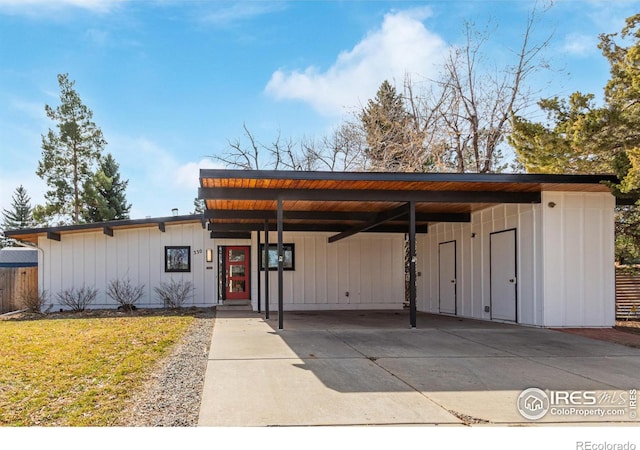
(177, 258)
(288, 250)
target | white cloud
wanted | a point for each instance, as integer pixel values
(98, 37)
(580, 44)
(401, 45)
(158, 181)
(31, 110)
(225, 14)
(40, 7)
(188, 175)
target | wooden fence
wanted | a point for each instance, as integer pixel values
(14, 283)
(627, 295)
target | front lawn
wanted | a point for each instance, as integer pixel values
(79, 371)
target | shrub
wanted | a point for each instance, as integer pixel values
(125, 293)
(33, 300)
(174, 293)
(77, 299)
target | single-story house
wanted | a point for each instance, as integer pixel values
(523, 248)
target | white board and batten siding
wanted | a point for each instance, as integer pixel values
(564, 264)
(369, 267)
(564, 261)
(473, 262)
(93, 259)
(578, 251)
(364, 271)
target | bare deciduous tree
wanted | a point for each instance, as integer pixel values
(463, 116)
(341, 150)
(457, 122)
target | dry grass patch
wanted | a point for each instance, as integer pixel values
(79, 371)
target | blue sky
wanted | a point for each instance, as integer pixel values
(172, 82)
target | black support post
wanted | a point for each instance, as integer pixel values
(266, 269)
(258, 262)
(412, 264)
(280, 268)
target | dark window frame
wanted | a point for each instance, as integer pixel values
(168, 250)
(273, 248)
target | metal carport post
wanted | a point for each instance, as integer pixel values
(412, 264)
(258, 262)
(265, 264)
(280, 267)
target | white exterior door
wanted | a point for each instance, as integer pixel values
(503, 275)
(447, 269)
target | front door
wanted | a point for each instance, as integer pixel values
(237, 270)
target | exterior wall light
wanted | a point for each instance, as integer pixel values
(209, 255)
(551, 204)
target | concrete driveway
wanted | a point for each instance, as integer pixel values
(369, 368)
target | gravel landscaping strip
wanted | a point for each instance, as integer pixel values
(172, 395)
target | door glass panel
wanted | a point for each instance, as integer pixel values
(237, 286)
(236, 255)
(237, 271)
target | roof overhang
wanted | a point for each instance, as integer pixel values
(108, 228)
(351, 202)
(342, 202)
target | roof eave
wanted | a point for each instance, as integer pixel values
(409, 176)
(113, 224)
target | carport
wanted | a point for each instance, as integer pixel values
(250, 204)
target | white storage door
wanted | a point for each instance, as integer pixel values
(503, 275)
(447, 269)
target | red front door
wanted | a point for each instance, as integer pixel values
(237, 270)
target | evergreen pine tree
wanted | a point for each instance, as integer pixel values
(104, 194)
(20, 214)
(385, 121)
(70, 154)
(198, 206)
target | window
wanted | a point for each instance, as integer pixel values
(288, 250)
(177, 259)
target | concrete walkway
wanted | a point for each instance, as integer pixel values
(369, 368)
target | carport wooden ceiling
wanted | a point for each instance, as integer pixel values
(239, 200)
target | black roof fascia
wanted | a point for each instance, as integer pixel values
(288, 215)
(231, 214)
(110, 224)
(328, 227)
(230, 235)
(410, 176)
(362, 195)
(53, 236)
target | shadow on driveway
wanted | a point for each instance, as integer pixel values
(368, 367)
